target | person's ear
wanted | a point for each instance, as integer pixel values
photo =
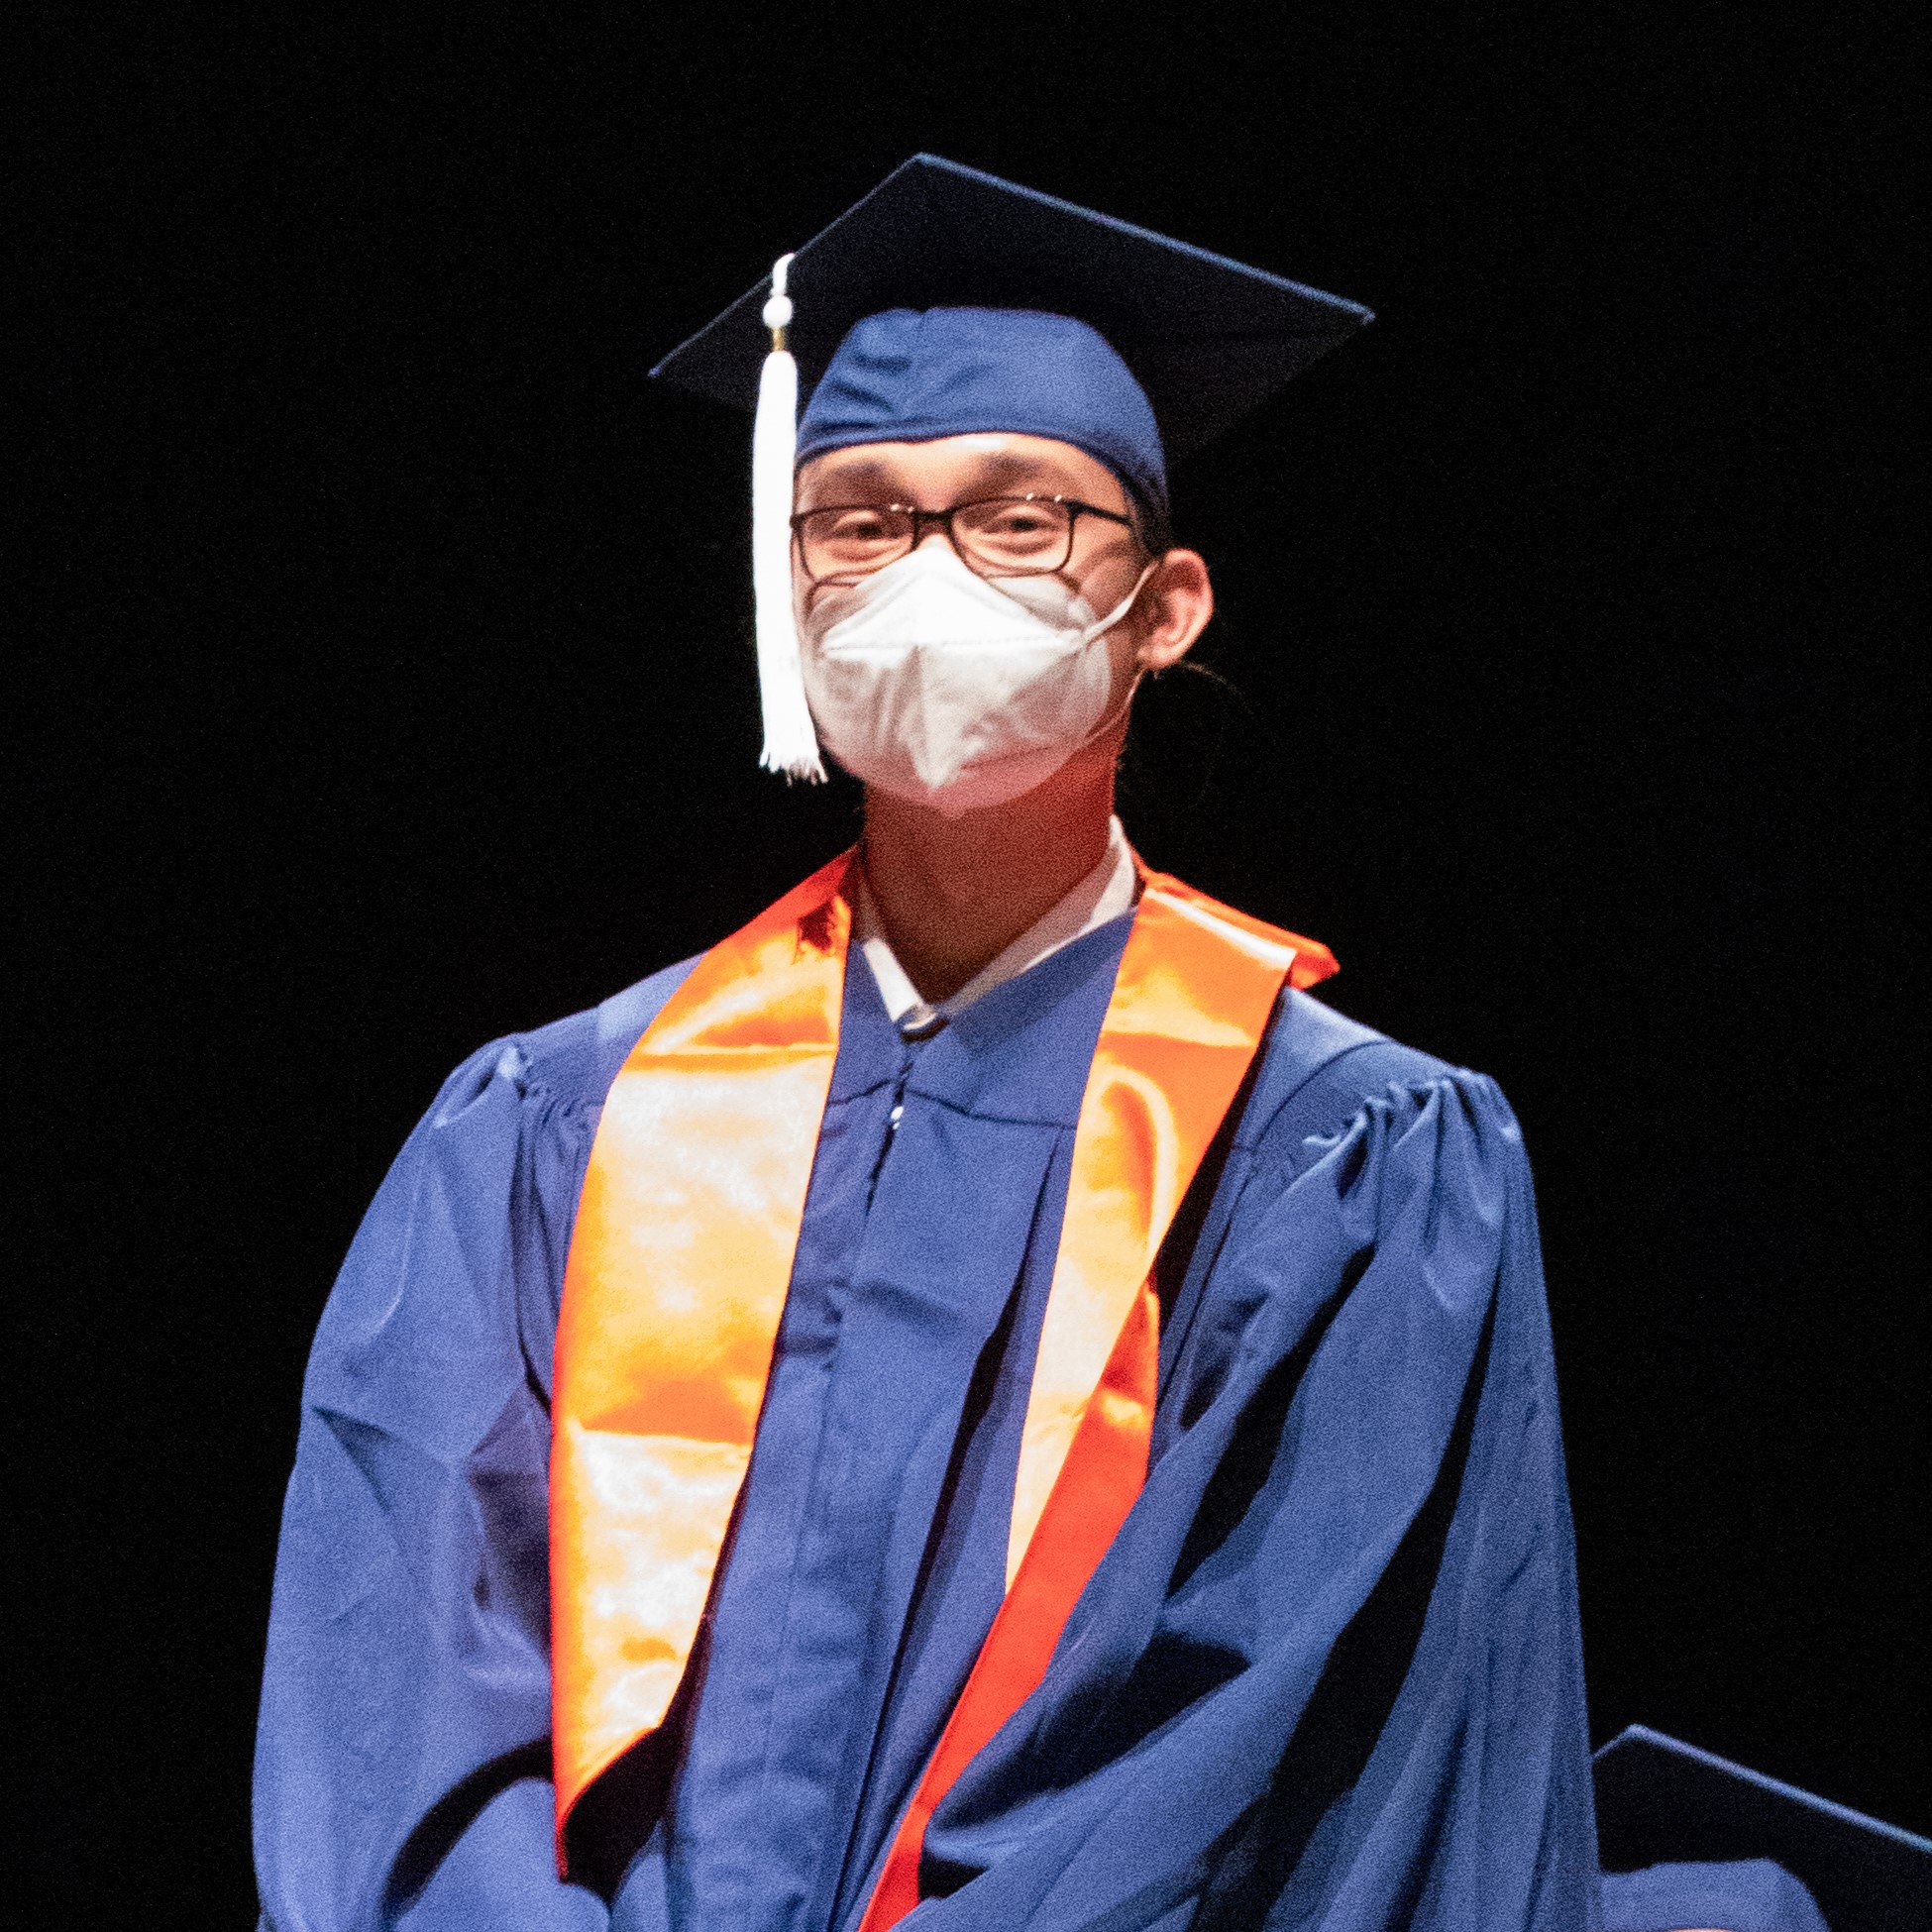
(1175, 605)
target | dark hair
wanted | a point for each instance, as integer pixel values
(1152, 523)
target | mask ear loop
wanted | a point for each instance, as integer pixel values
(1099, 630)
(1102, 625)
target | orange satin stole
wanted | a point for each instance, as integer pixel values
(681, 1257)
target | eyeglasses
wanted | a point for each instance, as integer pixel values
(993, 536)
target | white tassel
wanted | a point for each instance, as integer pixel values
(791, 743)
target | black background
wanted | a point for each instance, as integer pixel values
(389, 691)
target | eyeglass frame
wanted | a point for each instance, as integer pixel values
(1075, 508)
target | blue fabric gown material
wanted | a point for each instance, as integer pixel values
(1327, 1677)
(907, 375)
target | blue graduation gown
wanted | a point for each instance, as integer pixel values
(1327, 1676)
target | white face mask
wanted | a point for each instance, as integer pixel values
(953, 689)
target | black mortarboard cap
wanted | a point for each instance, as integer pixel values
(1660, 1801)
(1206, 337)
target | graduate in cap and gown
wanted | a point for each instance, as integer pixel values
(977, 1403)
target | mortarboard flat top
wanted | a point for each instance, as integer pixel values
(1658, 1799)
(1208, 338)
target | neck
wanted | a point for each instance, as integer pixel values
(953, 893)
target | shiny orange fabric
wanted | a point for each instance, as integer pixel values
(1191, 1004)
(681, 1257)
(676, 1278)
(1104, 1468)
(1190, 1001)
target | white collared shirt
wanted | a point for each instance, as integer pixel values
(1107, 892)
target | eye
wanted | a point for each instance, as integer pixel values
(1014, 529)
(851, 538)
(1016, 520)
(862, 525)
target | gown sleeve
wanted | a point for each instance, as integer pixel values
(403, 1757)
(1329, 1675)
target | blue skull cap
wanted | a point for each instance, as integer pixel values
(909, 376)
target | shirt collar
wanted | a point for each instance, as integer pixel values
(1107, 892)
